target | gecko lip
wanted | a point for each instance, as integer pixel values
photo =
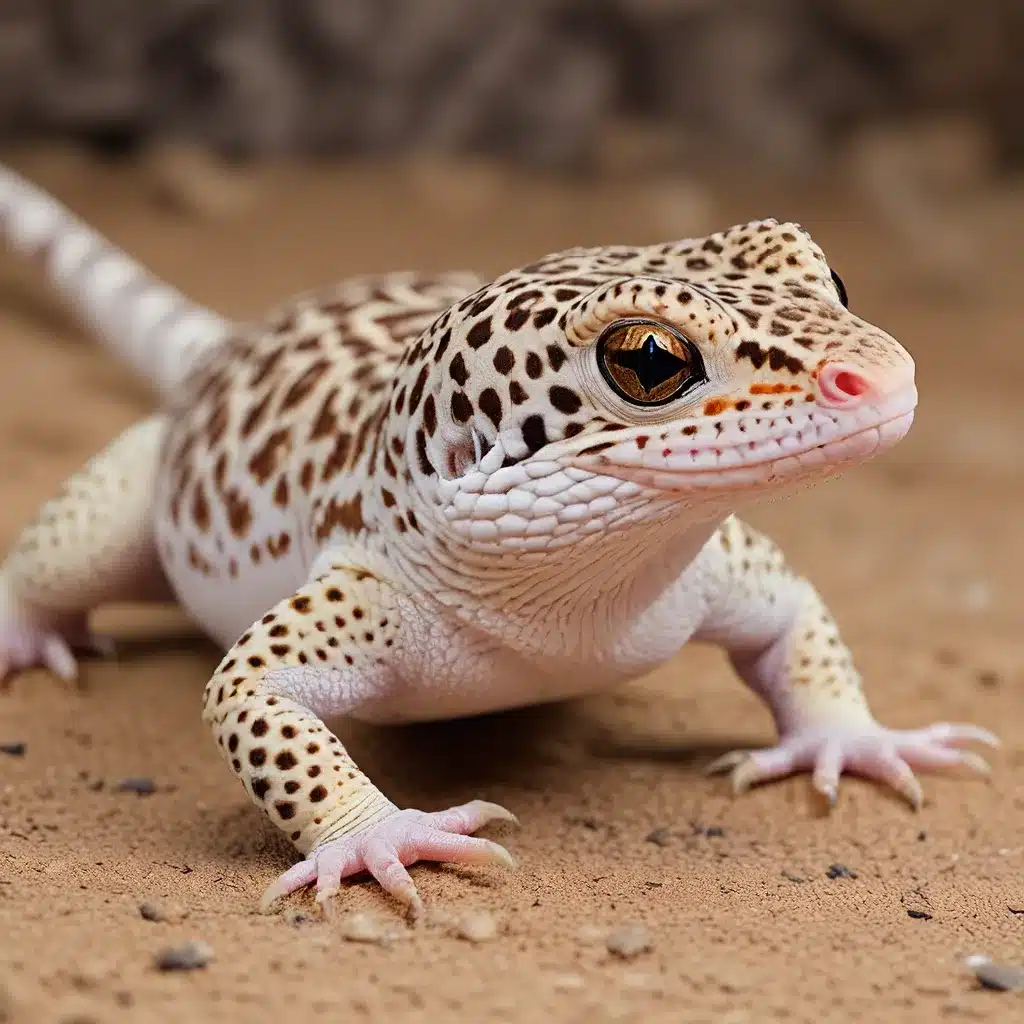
(808, 444)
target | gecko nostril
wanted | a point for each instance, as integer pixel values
(851, 384)
(842, 385)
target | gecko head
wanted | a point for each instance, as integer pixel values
(597, 388)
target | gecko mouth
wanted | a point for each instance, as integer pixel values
(544, 501)
(819, 443)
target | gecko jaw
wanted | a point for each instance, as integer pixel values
(817, 443)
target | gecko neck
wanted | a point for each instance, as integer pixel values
(589, 589)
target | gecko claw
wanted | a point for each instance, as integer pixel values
(869, 750)
(388, 847)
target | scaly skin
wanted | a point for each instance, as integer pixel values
(411, 497)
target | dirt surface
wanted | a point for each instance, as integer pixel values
(918, 554)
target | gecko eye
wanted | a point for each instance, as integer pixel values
(648, 363)
(841, 288)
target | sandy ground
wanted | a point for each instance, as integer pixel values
(918, 554)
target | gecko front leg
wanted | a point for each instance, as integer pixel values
(321, 651)
(785, 645)
(90, 545)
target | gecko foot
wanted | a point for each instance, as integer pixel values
(29, 641)
(870, 750)
(389, 846)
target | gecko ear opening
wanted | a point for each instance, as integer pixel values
(467, 453)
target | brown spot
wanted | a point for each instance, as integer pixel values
(534, 433)
(564, 399)
(239, 512)
(257, 757)
(254, 416)
(233, 742)
(556, 357)
(285, 808)
(345, 514)
(286, 760)
(504, 360)
(490, 405)
(715, 406)
(430, 415)
(305, 384)
(517, 393)
(326, 422)
(200, 508)
(279, 650)
(426, 466)
(266, 366)
(516, 319)
(281, 493)
(534, 367)
(317, 794)
(457, 370)
(306, 476)
(302, 604)
(479, 334)
(260, 787)
(416, 395)
(338, 457)
(462, 408)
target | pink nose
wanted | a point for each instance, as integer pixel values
(842, 386)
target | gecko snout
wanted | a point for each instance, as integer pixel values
(845, 386)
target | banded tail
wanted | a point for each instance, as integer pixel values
(151, 326)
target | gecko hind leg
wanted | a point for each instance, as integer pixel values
(91, 545)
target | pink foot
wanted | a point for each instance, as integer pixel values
(29, 640)
(389, 846)
(870, 750)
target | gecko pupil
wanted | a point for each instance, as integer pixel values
(841, 288)
(647, 363)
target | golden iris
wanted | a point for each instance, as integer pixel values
(648, 363)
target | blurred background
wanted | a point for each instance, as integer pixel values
(908, 105)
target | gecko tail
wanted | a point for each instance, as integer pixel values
(148, 324)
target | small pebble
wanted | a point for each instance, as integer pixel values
(630, 941)
(714, 832)
(294, 916)
(790, 877)
(996, 976)
(840, 871)
(919, 915)
(142, 786)
(188, 957)
(359, 927)
(660, 836)
(159, 912)
(152, 912)
(14, 749)
(477, 927)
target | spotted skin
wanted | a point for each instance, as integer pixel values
(450, 504)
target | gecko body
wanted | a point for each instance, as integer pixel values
(411, 497)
